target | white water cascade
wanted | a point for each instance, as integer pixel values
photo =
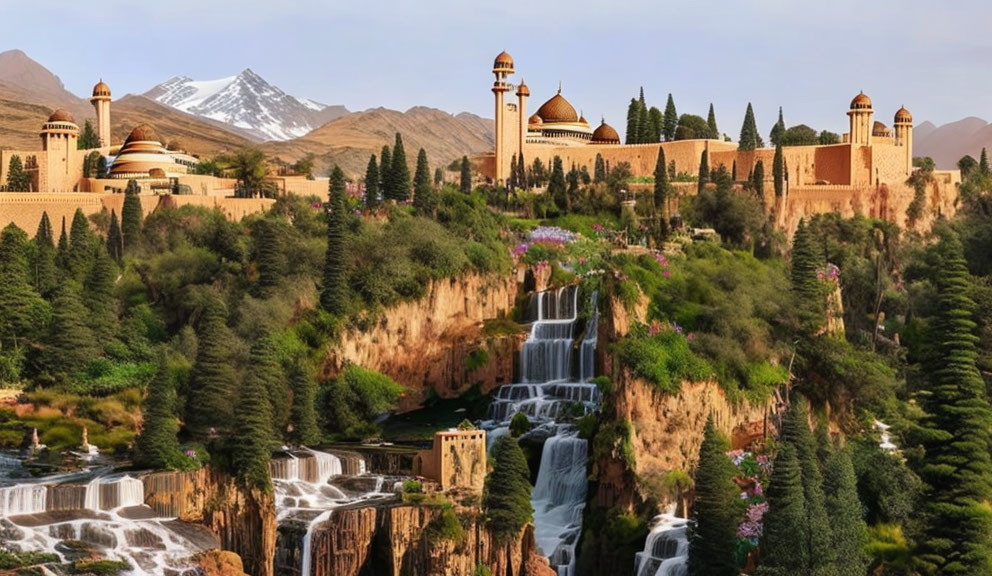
(666, 550)
(548, 394)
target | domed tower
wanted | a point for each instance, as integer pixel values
(101, 102)
(523, 92)
(903, 126)
(58, 139)
(861, 120)
(502, 67)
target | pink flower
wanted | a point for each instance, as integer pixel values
(666, 274)
(691, 336)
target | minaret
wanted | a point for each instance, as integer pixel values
(903, 126)
(58, 139)
(861, 120)
(523, 92)
(502, 67)
(101, 102)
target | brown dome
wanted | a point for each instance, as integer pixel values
(535, 119)
(605, 134)
(175, 146)
(879, 129)
(582, 120)
(61, 115)
(903, 116)
(503, 62)
(101, 89)
(142, 133)
(557, 110)
(861, 102)
(523, 90)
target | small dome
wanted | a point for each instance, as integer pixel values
(101, 89)
(582, 120)
(142, 133)
(861, 102)
(557, 109)
(523, 90)
(535, 119)
(61, 115)
(605, 134)
(175, 146)
(903, 116)
(503, 62)
(880, 130)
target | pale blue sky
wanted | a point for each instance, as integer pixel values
(811, 58)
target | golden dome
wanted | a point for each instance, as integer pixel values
(61, 115)
(861, 102)
(535, 119)
(175, 146)
(101, 89)
(879, 129)
(903, 116)
(503, 62)
(605, 134)
(142, 133)
(557, 110)
(582, 120)
(523, 90)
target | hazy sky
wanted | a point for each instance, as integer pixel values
(810, 58)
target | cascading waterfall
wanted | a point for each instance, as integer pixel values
(666, 550)
(547, 392)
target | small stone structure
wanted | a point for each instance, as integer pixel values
(457, 459)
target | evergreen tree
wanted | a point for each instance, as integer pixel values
(556, 185)
(385, 173)
(633, 116)
(785, 542)
(711, 122)
(400, 172)
(704, 172)
(671, 123)
(661, 186)
(983, 164)
(749, 131)
(70, 344)
(43, 258)
(850, 534)
(214, 382)
(115, 239)
(157, 445)
(758, 179)
(80, 245)
(250, 453)
(18, 179)
(88, 138)
(778, 171)
(804, 263)
(522, 173)
(131, 216)
(599, 169)
(21, 307)
(713, 536)
(778, 131)
(956, 468)
(101, 167)
(733, 170)
(466, 176)
(656, 119)
(372, 184)
(264, 366)
(511, 182)
(334, 294)
(507, 493)
(62, 252)
(424, 198)
(643, 120)
(303, 414)
(98, 296)
(270, 255)
(439, 177)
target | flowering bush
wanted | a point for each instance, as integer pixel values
(753, 472)
(551, 235)
(829, 273)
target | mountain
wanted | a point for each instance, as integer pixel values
(248, 103)
(24, 80)
(946, 144)
(348, 141)
(197, 135)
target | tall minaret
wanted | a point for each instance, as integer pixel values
(903, 126)
(101, 102)
(502, 67)
(523, 92)
(861, 120)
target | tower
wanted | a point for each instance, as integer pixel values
(860, 116)
(903, 126)
(62, 167)
(502, 67)
(101, 102)
(523, 92)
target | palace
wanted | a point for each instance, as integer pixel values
(865, 174)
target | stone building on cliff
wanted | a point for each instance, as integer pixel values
(457, 459)
(864, 174)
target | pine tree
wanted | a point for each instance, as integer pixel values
(439, 177)
(44, 276)
(18, 180)
(214, 382)
(157, 445)
(250, 444)
(70, 344)
(131, 216)
(713, 536)
(758, 179)
(778, 171)
(264, 365)
(522, 173)
(704, 172)
(671, 119)
(511, 182)
(400, 172)
(507, 493)
(850, 534)
(62, 252)
(804, 262)
(556, 185)
(101, 167)
(749, 131)
(88, 138)
(785, 542)
(303, 415)
(733, 170)
(424, 198)
(372, 184)
(643, 120)
(385, 173)
(466, 176)
(778, 130)
(656, 119)
(270, 255)
(983, 163)
(599, 169)
(661, 185)
(80, 245)
(98, 296)
(633, 116)
(334, 294)
(711, 122)
(115, 239)
(956, 468)
(21, 306)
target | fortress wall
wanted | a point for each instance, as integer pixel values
(889, 163)
(641, 157)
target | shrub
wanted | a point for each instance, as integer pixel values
(446, 527)
(100, 567)
(663, 359)
(412, 487)
(476, 359)
(520, 425)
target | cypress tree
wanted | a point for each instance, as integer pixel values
(778, 130)
(749, 131)
(804, 262)
(400, 172)
(599, 170)
(661, 185)
(511, 182)
(43, 258)
(466, 176)
(733, 170)
(252, 437)
(556, 185)
(303, 415)
(439, 177)
(131, 216)
(643, 120)
(424, 199)
(758, 179)
(334, 294)
(385, 173)
(70, 344)
(270, 255)
(657, 122)
(778, 171)
(88, 138)
(850, 534)
(80, 245)
(98, 296)
(62, 252)
(372, 184)
(785, 541)
(101, 166)
(671, 123)
(115, 239)
(18, 180)
(157, 445)
(983, 163)
(713, 534)
(522, 173)
(633, 116)
(711, 122)
(21, 307)
(214, 382)
(957, 468)
(506, 499)
(704, 172)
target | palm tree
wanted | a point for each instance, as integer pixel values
(250, 167)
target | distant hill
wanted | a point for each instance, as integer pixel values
(23, 79)
(948, 143)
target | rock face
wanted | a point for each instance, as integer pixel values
(424, 344)
(244, 521)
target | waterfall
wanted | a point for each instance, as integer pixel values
(549, 392)
(23, 499)
(666, 550)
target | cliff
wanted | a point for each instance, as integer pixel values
(424, 344)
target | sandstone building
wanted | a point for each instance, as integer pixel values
(457, 459)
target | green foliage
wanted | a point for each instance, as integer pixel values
(352, 401)
(71, 344)
(88, 138)
(482, 570)
(466, 176)
(749, 139)
(711, 123)
(785, 543)
(671, 119)
(424, 196)
(778, 130)
(712, 539)
(18, 179)
(556, 186)
(778, 171)
(506, 500)
(158, 444)
(100, 567)
(399, 174)
(692, 127)
(412, 487)
(610, 538)
(800, 135)
(372, 184)
(520, 425)
(664, 359)
(333, 295)
(704, 172)
(303, 414)
(476, 359)
(131, 216)
(847, 527)
(446, 527)
(738, 218)
(249, 446)
(209, 409)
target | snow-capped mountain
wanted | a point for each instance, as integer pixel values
(247, 102)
